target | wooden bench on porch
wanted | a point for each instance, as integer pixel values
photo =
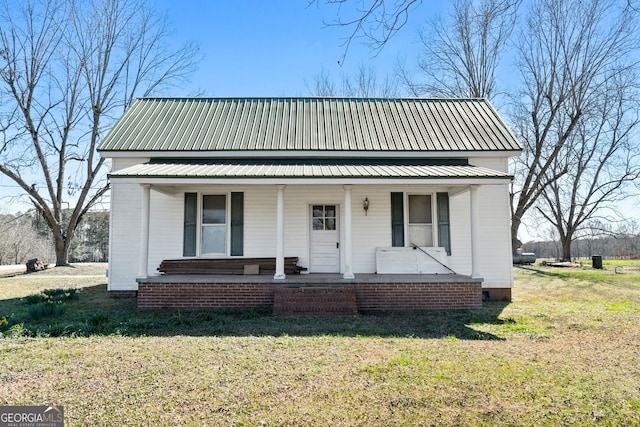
(238, 266)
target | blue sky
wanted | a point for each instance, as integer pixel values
(273, 48)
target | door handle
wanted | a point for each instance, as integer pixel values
(337, 245)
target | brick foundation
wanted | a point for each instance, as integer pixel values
(306, 295)
(497, 294)
(196, 295)
(123, 294)
(315, 301)
(419, 296)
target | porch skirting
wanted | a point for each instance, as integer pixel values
(372, 292)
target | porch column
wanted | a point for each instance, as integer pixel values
(280, 234)
(144, 231)
(348, 246)
(475, 228)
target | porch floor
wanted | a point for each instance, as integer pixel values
(311, 278)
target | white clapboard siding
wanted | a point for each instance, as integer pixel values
(166, 227)
(124, 162)
(495, 236)
(124, 236)
(496, 163)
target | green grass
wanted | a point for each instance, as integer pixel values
(566, 351)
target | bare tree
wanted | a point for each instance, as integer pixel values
(322, 85)
(364, 84)
(19, 239)
(600, 160)
(461, 53)
(567, 52)
(67, 69)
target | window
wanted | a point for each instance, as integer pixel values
(207, 218)
(420, 220)
(324, 217)
(214, 224)
(424, 224)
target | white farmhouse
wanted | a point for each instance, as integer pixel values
(399, 203)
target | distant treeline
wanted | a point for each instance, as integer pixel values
(612, 247)
(24, 236)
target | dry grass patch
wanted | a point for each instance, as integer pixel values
(565, 352)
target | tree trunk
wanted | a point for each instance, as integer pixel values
(566, 248)
(62, 251)
(515, 242)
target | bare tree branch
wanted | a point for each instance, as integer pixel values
(375, 21)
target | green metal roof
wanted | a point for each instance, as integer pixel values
(302, 169)
(310, 124)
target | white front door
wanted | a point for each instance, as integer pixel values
(325, 244)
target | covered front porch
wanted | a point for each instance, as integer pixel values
(354, 234)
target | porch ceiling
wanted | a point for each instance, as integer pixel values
(304, 169)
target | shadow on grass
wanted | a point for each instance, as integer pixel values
(560, 273)
(96, 313)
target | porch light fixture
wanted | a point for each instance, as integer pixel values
(365, 205)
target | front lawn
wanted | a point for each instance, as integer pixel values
(566, 351)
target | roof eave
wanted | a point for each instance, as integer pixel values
(175, 181)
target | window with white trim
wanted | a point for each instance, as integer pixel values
(216, 222)
(420, 225)
(214, 225)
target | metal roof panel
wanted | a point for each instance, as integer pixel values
(303, 169)
(310, 124)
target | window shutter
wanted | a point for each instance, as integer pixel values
(237, 224)
(444, 233)
(190, 224)
(397, 219)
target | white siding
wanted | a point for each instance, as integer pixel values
(124, 232)
(460, 228)
(166, 227)
(497, 163)
(124, 162)
(495, 238)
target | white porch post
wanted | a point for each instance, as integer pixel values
(475, 229)
(280, 234)
(144, 231)
(348, 245)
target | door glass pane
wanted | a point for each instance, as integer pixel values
(421, 235)
(420, 209)
(213, 209)
(318, 211)
(318, 224)
(330, 211)
(213, 239)
(330, 224)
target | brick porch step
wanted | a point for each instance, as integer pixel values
(322, 301)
